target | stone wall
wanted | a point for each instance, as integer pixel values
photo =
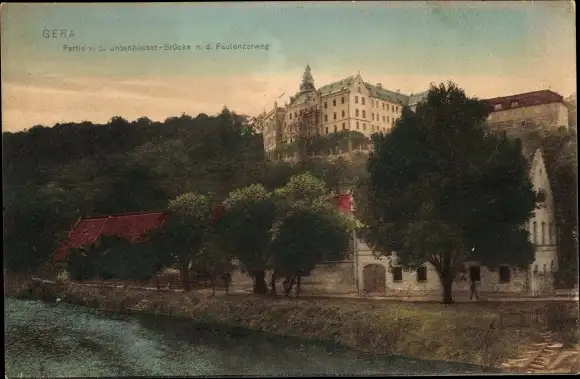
(327, 278)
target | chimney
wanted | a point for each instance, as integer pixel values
(379, 85)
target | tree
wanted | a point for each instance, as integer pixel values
(246, 230)
(305, 237)
(444, 190)
(186, 231)
(303, 204)
(33, 225)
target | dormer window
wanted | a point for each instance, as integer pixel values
(497, 107)
(514, 104)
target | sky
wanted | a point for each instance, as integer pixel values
(488, 48)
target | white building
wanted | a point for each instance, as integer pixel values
(347, 104)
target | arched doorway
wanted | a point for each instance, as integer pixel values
(374, 278)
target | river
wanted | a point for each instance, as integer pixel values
(63, 340)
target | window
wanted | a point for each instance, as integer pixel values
(422, 274)
(343, 126)
(335, 130)
(356, 99)
(383, 118)
(334, 115)
(357, 125)
(376, 104)
(392, 108)
(342, 114)
(290, 116)
(364, 126)
(523, 123)
(342, 100)
(514, 104)
(325, 105)
(326, 130)
(364, 114)
(358, 89)
(397, 109)
(383, 106)
(497, 107)
(362, 99)
(397, 274)
(474, 273)
(535, 232)
(356, 112)
(504, 274)
(543, 235)
(373, 116)
(334, 103)
(325, 117)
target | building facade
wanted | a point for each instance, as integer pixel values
(516, 113)
(348, 104)
(570, 102)
(540, 109)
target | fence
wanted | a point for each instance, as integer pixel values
(556, 317)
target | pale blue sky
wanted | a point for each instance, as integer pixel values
(383, 40)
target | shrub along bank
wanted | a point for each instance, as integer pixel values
(391, 329)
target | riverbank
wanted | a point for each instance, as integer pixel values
(437, 333)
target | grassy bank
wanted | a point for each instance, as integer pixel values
(436, 333)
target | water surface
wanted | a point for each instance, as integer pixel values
(63, 340)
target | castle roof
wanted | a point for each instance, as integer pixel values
(526, 99)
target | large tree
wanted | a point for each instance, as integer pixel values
(309, 229)
(443, 189)
(246, 230)
(187, 229)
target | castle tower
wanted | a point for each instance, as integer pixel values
(307, 84)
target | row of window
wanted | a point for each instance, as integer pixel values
(550, 233)
(374, 128)
(374, 103)
(387, 119)
(474, 273)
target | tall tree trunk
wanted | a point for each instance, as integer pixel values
(447, 281)
(260, 287)
(273, 283)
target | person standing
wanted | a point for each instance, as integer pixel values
(473, 288)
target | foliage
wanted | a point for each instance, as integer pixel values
(246, 229)
(443, 190)
(307, 236)
(323, 145)
(33, 225)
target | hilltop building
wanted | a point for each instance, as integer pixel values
(527, 111)
(348, 104)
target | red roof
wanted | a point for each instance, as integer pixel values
(525, 100)
(133, 226)
(130, 226)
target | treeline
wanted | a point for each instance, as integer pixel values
(54, 175)
(289, 231)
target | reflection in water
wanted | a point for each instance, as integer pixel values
(63, 340)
